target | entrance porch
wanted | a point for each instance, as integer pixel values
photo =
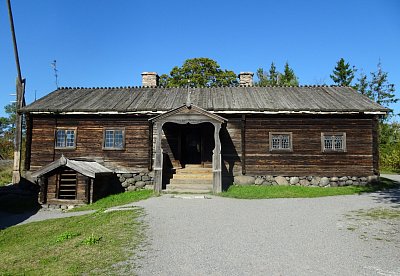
(187, 136)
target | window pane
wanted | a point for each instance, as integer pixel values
(60, 138)
(109, 139)
(280, 141)
(70, 138)
(328, 142)
(275, 141)
(338, 142)
(118, 139)
(285, 142)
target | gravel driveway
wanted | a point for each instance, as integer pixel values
(222, 236)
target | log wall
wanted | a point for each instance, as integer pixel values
(361, 157)
(307, 157)
(89, 140)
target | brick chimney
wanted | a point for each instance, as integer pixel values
(150, 79)
(246, 78)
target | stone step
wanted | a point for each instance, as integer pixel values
(190, 186)
(193, 170)
(191, 181)
(187, 191)
(193, 166)
(207, 176)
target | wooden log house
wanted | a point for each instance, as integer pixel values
(207, 138)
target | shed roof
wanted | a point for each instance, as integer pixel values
(87, 168)
(215, 99)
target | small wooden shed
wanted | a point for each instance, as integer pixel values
(66, 181)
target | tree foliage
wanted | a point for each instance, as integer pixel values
(7, 129)
(362, 85)
(275, 78)
(390, 146)
(343, 73)
(378, 88)
(198, 72)
(288, 78)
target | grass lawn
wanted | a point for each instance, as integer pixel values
(5, 173)
(87, 245)
(259, 192)
(389, 171)
(116, 200)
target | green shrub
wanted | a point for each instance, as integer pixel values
(66, 236)
(92, 240)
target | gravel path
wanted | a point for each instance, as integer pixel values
(9, 219)
(222, 236)
(394, 177)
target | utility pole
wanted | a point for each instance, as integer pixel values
(20, 93)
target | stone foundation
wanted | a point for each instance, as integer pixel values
(134, 181)
(313, 181)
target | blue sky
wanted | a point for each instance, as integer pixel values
(109, 43)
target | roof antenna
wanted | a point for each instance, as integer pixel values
(54, 65)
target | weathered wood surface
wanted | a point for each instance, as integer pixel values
(53, 189)
(89, 140)
(307, 157)
(130, 99)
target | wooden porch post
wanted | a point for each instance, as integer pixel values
(217, 172)
(158, 162)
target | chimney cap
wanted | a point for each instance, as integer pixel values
(150, 73)
(246, 73)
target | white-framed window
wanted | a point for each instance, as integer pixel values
(333, 142)
(65, 138)
(113, 139)
(280, 141)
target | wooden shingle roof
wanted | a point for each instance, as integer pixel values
(86, 167)
(216, 99)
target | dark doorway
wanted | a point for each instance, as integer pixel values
(188, 144)
(197, 144)
(191, 145)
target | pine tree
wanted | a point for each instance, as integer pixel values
(362, 85)
(288, 78)
(262, 77)
(343, 74)
(273, 75)
(380, 90)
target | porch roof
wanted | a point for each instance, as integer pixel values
(191, 109)
(87, 168)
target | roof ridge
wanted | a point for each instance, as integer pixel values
(198, 87)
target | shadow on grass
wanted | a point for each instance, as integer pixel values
(18, 203)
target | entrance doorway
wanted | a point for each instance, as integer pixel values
(197, 144)
(188, 144)
(191, 145)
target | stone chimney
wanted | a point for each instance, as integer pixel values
(246, 78)
(150, 79)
